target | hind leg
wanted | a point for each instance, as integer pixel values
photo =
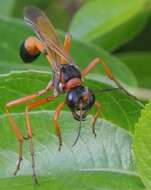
(67, 44)
(110, 75)
(13, 124)
(19, 137)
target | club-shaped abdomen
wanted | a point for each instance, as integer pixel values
(26, 56)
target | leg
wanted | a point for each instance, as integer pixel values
(108, 73)
(56, 124)
(19, 138)
(13, 124)
(56, 115)
(67, 44)
(98, 107)
(30, 97)
(29, 129)
(90, 67)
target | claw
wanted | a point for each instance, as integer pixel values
(35, 179)
(60, 142)
(93, 131)
(18, 166)
(60, 145)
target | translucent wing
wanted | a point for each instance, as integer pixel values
(46, 33)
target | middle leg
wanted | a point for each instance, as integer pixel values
(56, 124)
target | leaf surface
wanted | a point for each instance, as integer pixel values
(109, 24)
(139, 63)
(94, 163)
(142, 146)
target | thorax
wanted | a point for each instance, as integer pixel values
(70, 77)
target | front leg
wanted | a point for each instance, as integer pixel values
(56, 124)
(98, 113)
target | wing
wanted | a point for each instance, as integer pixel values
(46, 33)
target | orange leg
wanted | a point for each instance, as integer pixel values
(29, 129)
(67, 44)
(29, 132)
(56, 124)
(108, 73)
(19, 138)
(98, 107)
(30, 97)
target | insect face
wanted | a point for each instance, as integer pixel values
(80, 100)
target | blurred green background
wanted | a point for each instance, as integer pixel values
(118, 32)
(61, 13)
(118, 27)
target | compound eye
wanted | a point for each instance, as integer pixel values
(91, 100)
(72, 99)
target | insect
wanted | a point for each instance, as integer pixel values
(67, 79)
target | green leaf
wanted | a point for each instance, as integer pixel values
(142, 146)
(81, 52)
(103, 161)
(139, 63)
(77, 181)
(118, 107)
(92, 164)
(110, 24)
(6, 7)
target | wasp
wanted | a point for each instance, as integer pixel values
(67, 78)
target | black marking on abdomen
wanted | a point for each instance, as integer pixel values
(25, 56)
